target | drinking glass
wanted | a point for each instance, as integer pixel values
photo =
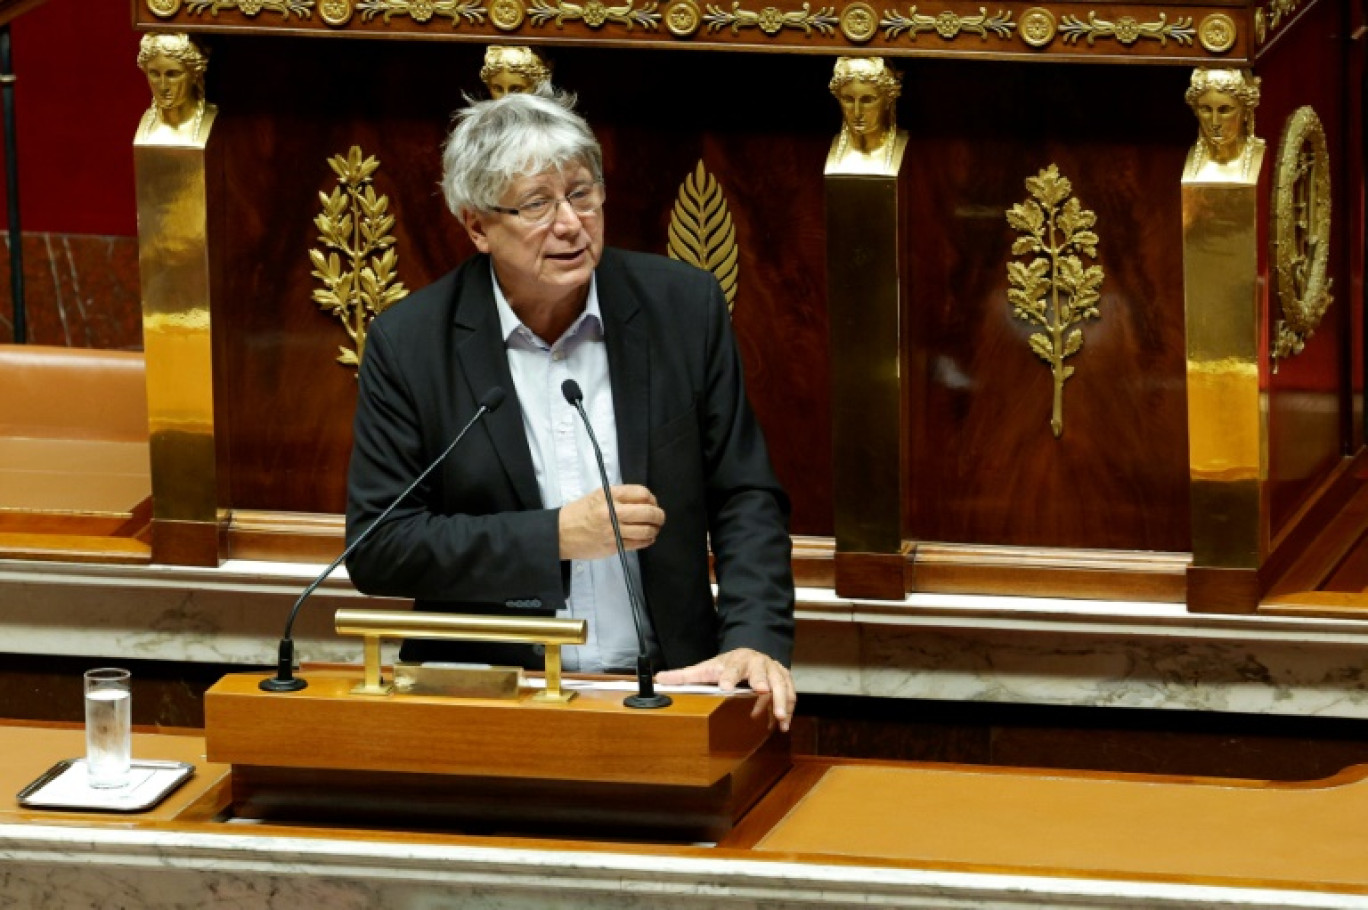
(108, 727)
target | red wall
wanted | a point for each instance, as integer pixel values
(78, 97)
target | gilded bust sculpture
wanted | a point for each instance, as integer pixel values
(513, 69)
(870, 141)
(174, 66)
(1227, 149)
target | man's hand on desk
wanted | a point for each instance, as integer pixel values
(763, 674)
(586, 531)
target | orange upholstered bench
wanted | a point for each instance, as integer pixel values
(74, 471)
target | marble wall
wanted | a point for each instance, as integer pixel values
(80, 291)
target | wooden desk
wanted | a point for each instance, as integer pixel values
(29, 751)
(837, 834)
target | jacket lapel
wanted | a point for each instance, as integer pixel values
(484, 361)
(629, 366)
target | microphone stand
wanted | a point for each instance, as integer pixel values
(285, 680)
(646, 696)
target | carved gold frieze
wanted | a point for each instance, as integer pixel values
(1301, 232)
(594, 14)
(164, 8)
(701, 231)
(251, 8)
(359, 275)
(423, 11)
(1127, 29)
(772, 20)
(946, 24)
(1053, 290)
(1269, 17)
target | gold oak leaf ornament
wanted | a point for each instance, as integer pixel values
(1053, 290)
(701, 231)
(359, 275)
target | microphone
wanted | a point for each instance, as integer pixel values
(646, 696)
(285, 680)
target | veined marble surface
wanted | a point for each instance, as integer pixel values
(49, 867)
(954, 647)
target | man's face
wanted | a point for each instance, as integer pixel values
(541, 263)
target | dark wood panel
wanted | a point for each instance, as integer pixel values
(289, 421)
(1309, 403)
(985, 467)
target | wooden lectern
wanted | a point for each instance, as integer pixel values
(589, 766)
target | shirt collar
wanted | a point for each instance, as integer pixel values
(509, 323)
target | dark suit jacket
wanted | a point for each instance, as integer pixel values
(475, 536)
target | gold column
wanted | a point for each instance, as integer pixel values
(864, 281)
(1227, 404)
(174, 180)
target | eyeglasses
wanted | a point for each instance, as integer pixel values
(539, 211)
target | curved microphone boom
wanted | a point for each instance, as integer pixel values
(646, 696)
(285, 680)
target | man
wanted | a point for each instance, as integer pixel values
(517, 516)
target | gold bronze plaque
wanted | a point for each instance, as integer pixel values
(1301, 231)
(701, 231)
(859, 22)
(164, 8)
(1038, 26)
(682, 18)
(1054, 291)
(507, 14)
(1217, 33)
(355, 223)
(335, 12)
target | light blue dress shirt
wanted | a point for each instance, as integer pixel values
(566, 469)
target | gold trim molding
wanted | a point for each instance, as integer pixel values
(1269, 17)
(1127, 29)
(356, 223)
(594, 14)
(946, 24)
(250, 8)
(1301, 232)
(722, 23)
(772, 20)
(423, 11)
(1054, 291)
(701, 231)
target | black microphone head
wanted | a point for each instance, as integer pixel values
(571, 390)
(493, 398)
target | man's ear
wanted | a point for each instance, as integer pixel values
(474, 225)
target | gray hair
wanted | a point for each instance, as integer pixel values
(495, 142)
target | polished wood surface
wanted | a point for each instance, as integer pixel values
(1086, 824)
(695, 742)
(28, 751)
(1209, 831)
(985, 468)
